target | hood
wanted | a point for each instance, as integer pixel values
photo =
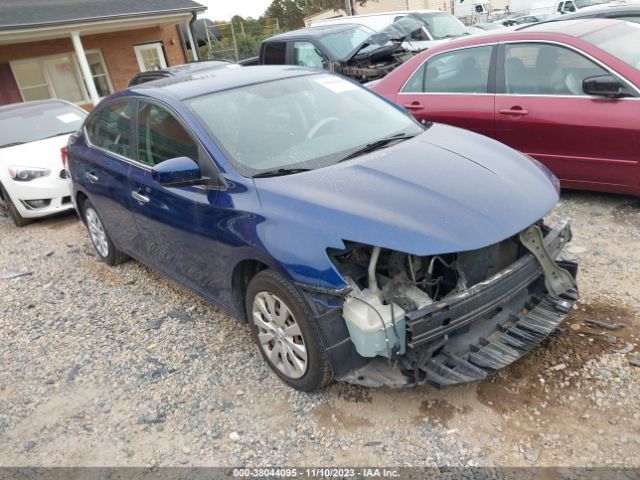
(43, 153)
(392, 36)
(446, 190)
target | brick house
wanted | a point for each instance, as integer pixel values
(82, 50)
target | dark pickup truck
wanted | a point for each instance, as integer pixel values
(352, 50)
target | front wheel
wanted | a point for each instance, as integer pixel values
(18, 220)
(107, 252)
(284, 332)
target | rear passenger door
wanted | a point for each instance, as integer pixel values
(455, 88)
(102, 167)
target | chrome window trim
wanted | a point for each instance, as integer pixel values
(553, 42)
(144, 166)
(400, 92)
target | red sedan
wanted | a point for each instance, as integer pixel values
(567, 93)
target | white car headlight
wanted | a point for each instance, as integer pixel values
(25, 174)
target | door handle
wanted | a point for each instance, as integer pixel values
(139, 197)
(413, 106)
(513, 111)
(91, 177)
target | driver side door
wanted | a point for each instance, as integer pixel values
(178, 226)
(542, 111)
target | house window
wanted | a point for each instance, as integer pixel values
(58, 76)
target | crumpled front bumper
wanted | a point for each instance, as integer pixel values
(473, 333)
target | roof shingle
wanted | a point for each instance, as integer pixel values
(35, 13)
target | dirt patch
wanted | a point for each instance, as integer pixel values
(335, 419)
(62, 222)
(353, 393)
(627, 213)
(439, 411)
(536, 377)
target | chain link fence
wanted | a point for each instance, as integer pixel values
(237, 40)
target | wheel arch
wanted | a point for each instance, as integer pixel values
(242, 274)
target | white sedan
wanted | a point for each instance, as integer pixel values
(33, 181)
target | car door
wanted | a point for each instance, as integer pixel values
(101, 168)
(542, 110)
(455, 88)
(306, 54)
(178, 225)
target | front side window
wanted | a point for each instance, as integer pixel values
(460, 71)
(161, 136)
(275, 53)
(544, 69)
(309, 121)
(307, 55)
(110, 128)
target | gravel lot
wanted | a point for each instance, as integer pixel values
(119, 366)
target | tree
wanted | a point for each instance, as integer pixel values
(290, 13)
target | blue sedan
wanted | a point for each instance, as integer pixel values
(359, 244)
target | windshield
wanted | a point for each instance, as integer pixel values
(588, 3)
(620, 40)
(443, 25)
(35, 122)
(341, 44)
(306, 122)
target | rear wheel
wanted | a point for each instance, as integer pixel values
(18, 220)
(284, 332)
(107, 252)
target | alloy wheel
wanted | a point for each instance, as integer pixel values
(279, 335)
(97, 233)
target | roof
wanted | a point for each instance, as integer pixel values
(194, 84)
(573, 28)
(319, 31)
(41, 13)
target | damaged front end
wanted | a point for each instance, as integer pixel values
(384, 51)
(451, 318)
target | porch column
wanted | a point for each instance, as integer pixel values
(84, 68)
(194, 46)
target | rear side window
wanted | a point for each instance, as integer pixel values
(110, 128)
(275, 53)
(161, 136)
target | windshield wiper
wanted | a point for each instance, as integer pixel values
(378, 144)
(280, 172)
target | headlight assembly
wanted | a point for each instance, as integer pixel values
(26, 174)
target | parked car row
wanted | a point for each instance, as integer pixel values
(360, 236)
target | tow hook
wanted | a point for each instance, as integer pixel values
(557, 280)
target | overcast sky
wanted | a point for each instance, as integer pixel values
(225, 9)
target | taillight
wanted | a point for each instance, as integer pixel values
(63, 156)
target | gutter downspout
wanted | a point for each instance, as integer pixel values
(194, 45)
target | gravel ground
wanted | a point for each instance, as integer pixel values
(119, 366)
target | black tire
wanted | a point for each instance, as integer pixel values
(113, 255)
(318, 371)
(18, 220)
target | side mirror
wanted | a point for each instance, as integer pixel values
(603, 86)
(178, 172)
